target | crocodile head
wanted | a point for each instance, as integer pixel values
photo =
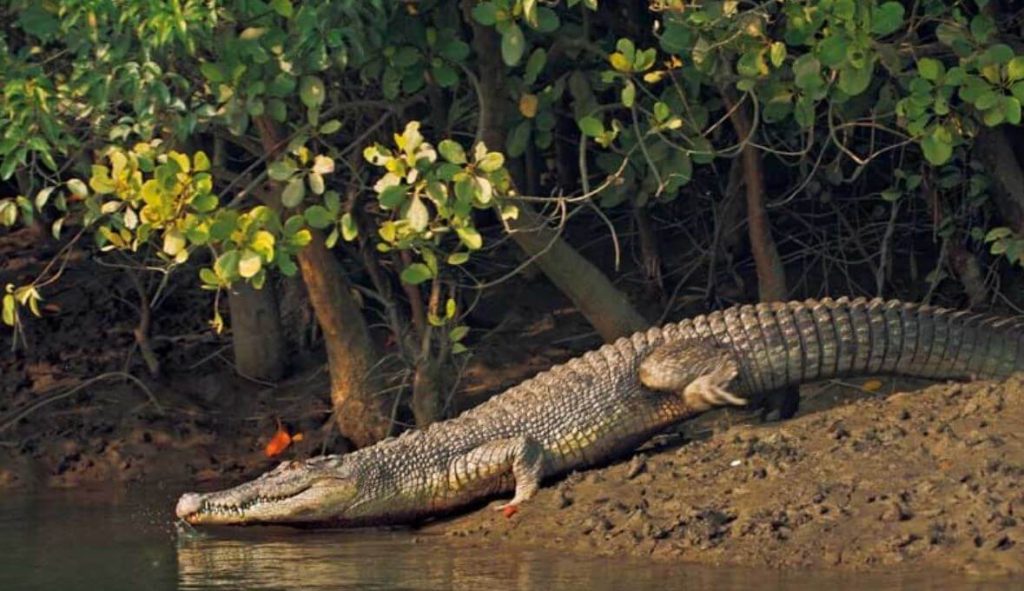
(319, 490)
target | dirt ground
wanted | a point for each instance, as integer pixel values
(932, 478)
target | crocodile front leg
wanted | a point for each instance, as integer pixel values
(488, 465)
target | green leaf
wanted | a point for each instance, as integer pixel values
(628, 94)
(513, 44)
(534, 65)
(226, 265)
(415, 274)
(458, 258)
(998, 233)
(887, 18)
(278, 110)
(204, 202)
(444, 75)
(36, 20)
(453, 50)
(207, 276)
(318, 217)
(515, 144)
(930, 68)
(392, 196)
(1012, 111)
(937, 146)
(349, 229)
(282, 7)
(591, 126)
(329, 127)
(803, 112)
(987, 100)
(311, 91)
(854, 81)
(212, 72)
(281, 170)
(807, 73)
(452, 151)
(458, 333)
(293, 192)
(993, 116)
(485, 13)
(832, 50)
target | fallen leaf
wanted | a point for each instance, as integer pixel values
(280, 441)
(872, 385)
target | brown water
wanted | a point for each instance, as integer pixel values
(126, 540)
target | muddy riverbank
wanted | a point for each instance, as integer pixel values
(859, 480)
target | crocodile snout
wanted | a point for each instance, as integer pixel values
(188, 504)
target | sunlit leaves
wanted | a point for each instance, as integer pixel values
(432, 199)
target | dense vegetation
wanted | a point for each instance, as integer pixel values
(387, 151)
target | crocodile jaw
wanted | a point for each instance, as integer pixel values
(317, 490)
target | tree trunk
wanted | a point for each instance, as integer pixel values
(601, 303)
(256, 332)
(996, 149)
(606, 308)
(771, 276)
(358, 411)
(350, 355)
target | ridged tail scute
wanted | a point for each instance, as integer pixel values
(783, 344)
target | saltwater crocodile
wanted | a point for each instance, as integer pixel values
(604, 404)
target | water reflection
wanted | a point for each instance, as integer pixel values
(109, 541)
(398, 560)
(402, 560)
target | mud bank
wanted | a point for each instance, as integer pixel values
(932, 478)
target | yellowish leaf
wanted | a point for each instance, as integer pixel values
(619, 62)
(872, 385)
(654, 76)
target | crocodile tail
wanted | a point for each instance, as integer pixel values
(783, 344)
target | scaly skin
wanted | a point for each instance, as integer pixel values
(603, 404)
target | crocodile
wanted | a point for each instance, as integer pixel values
(602, 405)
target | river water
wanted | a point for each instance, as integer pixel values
(126, 539)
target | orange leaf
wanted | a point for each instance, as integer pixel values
(278, 443)
(528, 105)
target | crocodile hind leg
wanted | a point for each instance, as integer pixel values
(522, 458)
(780, 404)
(698, 369)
